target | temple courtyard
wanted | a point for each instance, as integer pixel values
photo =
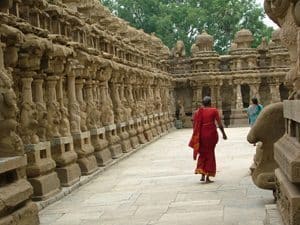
(156, 185)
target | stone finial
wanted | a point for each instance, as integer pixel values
(243, 38)
(205, 42)
(263, 45)
(233, 46)
(194, 50)
(179, 49)
(276, 37)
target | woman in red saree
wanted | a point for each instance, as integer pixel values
(205, 138)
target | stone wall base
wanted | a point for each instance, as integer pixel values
(273, 216)
(103, 157)
(69, 174)
(27, 215)
(45, 186)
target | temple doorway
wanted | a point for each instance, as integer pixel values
(206, 91)
(245, 95)
(184, 98)
(284, 92)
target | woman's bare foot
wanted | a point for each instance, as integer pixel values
(208, 180)
(202, 178)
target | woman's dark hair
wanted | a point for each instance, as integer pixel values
(254, 100)
(206, 101)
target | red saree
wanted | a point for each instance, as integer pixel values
(204, 140)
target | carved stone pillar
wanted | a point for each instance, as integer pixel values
(40, 168)
(28, 118)
(93, 115)
(199, 95)
(275, 93)
(194, 99)
(218, 97)
(52, 108)
(38, 90)
(82, 140)
(74, 109)
(41, 108)
(239, 98)
(214, 95)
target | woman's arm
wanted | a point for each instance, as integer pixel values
(220, 125)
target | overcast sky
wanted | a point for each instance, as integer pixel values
(267, 20)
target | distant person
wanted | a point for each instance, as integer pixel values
(205, 138)
(253, 111)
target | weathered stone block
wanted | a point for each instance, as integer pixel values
(287, 155)
(288, 199)
(85, 151)
(26, 215)
(68, 175)
(87, 164)
(45, 186)
(14, 194)
(291, 110)
(124, 135)
(133, 134)
(62, 150)
(114, 141)
(272, 216)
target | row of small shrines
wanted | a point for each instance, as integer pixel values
(74, 96)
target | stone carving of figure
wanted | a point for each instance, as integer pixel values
(267, 132)
(107, 114)
(287, 17)
(42, 121)
(10, 143)
(54, 118)
(74, 118)
(118, 108)
(93, 116)
(178, 50)
(29, 123)
(64, 122)
(83, 116)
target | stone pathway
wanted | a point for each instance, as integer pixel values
(156, 186)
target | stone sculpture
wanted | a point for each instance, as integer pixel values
(179, 49)
(266, 132)
(286, 14)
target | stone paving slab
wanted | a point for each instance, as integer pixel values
(156, 186)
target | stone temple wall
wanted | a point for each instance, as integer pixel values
(79, 87)
(231, 80)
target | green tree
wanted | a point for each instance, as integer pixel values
(174, 20)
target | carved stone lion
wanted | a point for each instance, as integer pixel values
(267, 132)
